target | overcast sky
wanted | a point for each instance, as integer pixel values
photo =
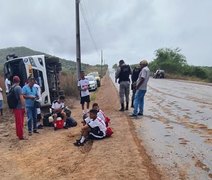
(123, 29)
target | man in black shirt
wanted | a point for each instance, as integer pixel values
(122, 74)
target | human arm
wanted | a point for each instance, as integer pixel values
(117, 73)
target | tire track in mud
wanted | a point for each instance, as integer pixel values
(188, 98)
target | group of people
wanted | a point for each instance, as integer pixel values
(139, 76)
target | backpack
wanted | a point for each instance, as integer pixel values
(109, 132)
(12, 100)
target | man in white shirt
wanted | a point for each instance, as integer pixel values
(141, 88)
(7, 84)
(94, 129)
(58, 108)
(83, 85)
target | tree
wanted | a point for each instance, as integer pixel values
(171, 60)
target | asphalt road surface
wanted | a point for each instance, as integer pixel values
(176, 128)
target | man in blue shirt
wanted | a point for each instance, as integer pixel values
(30, 94)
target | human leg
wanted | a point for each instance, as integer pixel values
(29, 119)
(141, 102)
(138, 96)
(19, 121)
(127, 93)
(121, 95)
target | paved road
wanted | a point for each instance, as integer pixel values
(177, 128)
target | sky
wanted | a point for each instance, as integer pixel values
(130, 30)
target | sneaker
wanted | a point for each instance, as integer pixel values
(30, 133)
(140, 114)
(40, 126)
(35, 131)
(78, 143)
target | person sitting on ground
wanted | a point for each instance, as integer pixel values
(94, 129)
(58, 108)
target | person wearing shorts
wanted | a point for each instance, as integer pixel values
(83, 85)
(94, 129)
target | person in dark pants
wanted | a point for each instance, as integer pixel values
(123, 72)
(134, 78)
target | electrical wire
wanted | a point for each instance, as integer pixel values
(83, 12)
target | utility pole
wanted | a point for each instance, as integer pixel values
(101, 61)
(78, 50)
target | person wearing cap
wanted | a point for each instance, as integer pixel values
(141, 88)
(30, 94)
(19, 110)
(122, 75)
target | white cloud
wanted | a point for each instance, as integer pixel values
(124, 29)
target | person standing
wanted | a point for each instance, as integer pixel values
(19, 110)
(83, 85)
(7, 84)
(141, 88)
(31, 95)
(122, 75)
(38, 105)
(134, 78)
(1, 101)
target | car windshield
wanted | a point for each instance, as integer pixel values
(90, 78)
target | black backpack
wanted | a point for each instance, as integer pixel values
(12, 100)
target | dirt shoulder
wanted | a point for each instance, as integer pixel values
(52, 155)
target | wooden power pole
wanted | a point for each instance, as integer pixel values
(78, 49)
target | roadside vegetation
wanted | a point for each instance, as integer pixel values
(175, 65)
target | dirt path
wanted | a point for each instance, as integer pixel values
(52, 155)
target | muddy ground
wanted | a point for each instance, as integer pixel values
(52, 155)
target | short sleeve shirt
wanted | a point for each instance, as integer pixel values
(57, 105)
(145, 73)
(18, 92)
(30, 91)
(84, 84)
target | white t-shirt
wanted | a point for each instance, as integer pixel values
(7, 85)
(100, 123)
(84, 85)
(1, 97)
(145, 72)
(101, 115)
(57, 105)
(39, 91)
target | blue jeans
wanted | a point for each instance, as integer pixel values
(139, 101)
(32, 118)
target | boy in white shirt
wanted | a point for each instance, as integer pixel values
(94, 129)
(83, 85)
(58, 108)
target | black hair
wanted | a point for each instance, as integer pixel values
(94, 111)
(95, 104)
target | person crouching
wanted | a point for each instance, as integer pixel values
(94, 129)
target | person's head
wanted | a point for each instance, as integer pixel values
(31, 81)
(93, 114)
(95, 106)
(121, 62)
(143, 63)
(62, 99)
(82, 74)
(16, 80)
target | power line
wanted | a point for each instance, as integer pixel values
(88, 28)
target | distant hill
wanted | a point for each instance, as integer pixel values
(67, 65)
(23, 51)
